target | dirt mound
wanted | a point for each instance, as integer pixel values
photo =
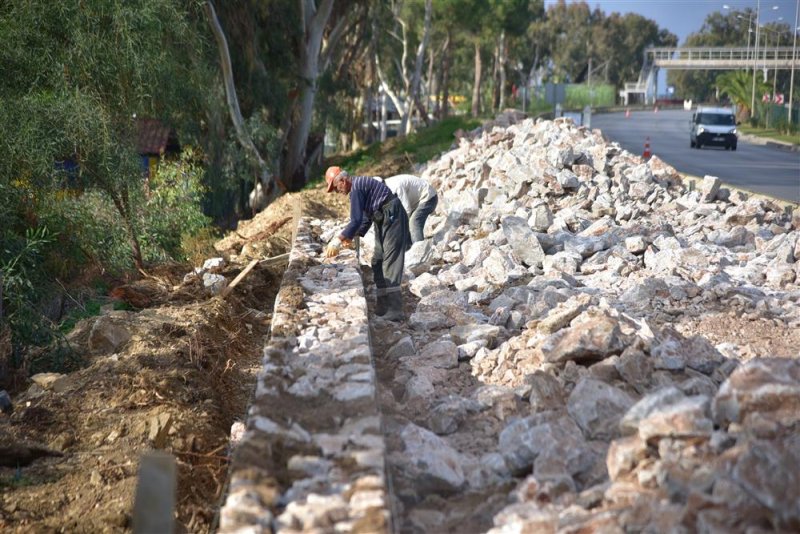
(172, 372)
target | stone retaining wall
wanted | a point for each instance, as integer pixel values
(312, 456)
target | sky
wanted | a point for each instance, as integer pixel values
(683, 17)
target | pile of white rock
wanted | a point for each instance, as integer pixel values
(557, 266)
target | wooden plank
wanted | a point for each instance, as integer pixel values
(239, 278)
(275, 259)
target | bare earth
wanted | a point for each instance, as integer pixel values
(70, 450)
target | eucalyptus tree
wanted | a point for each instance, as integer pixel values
(445, 39)
(719, 29)
(267, 186)
(76, 74)
(570, 31)
(314, 52)
(619, 42)
(508, 22)
(404, 32)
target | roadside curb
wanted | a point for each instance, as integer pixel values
(787, 205)
(756, 140)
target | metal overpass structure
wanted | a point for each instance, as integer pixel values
(704, 58)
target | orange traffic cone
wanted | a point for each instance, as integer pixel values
(627, 112)
(647, 154)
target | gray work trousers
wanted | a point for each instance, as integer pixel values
(392, 240)
(417, 218)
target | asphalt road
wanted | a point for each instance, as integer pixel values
(761, 169)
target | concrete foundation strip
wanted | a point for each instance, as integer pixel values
(312, 456)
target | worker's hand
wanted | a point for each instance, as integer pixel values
(333, 247)
(346, 243)
(331, 250)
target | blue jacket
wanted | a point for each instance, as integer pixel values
(367, 195)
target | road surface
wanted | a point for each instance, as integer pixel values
(761, 169)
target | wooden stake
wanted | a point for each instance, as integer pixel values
(239, 278)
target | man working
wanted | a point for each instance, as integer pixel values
(372, 201)
(418, 197)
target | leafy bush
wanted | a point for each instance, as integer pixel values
(23, 288)
(98, 229)
(580, 95)
(173, 209)
(170, 211)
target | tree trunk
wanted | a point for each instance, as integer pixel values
(369, 131)
(531, 73)
(314, 22)
(369, 96)
(431, 90)
(136, 249)
(502, 67)
(422, 113)
(271, 187)
(446, 78)
(399, 105)
(496, 77)
(476, 89)
(383, 114)
(413, 90)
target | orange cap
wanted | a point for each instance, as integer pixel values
(330, 176)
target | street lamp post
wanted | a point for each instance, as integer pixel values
(774, 77)
(794, 58)
(777, 34)
(775, 70)
(755, 54)
(749, 30)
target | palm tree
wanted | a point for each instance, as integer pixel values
(737, 86)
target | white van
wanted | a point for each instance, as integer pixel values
(713, 126)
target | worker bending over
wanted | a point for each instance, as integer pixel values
(418, 197)
(372, 201)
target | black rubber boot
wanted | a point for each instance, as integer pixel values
(395, 307)
(381, 304)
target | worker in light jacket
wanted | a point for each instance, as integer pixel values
(419, 199)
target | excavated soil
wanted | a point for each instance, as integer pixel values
(70, 450)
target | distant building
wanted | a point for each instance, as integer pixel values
(154, 140)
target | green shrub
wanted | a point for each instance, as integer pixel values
(581, 95)
(23, 283)
(98, 229)
(173, 209)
